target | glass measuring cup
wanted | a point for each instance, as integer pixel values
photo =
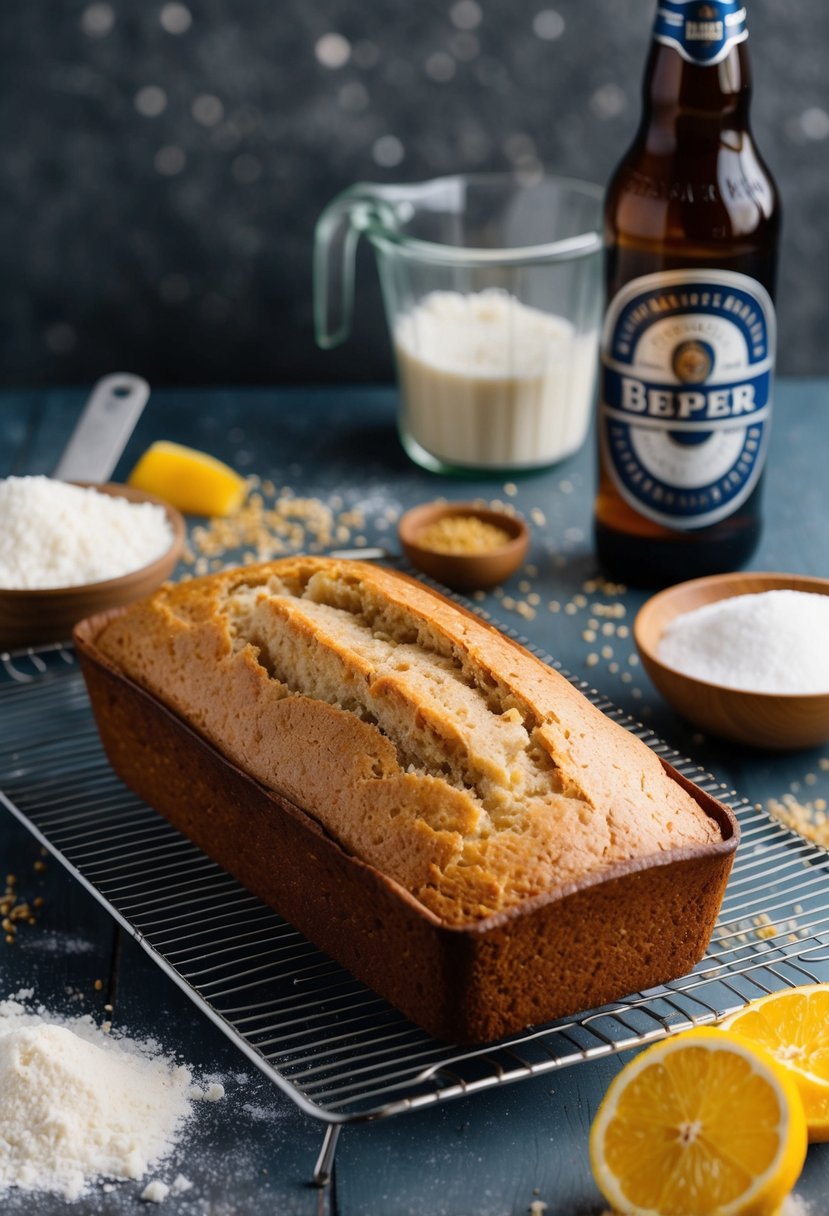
(493, 297)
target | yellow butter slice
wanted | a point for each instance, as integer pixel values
(193, 481)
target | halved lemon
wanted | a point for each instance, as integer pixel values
(702, 1124)
(193, 481)
(794, 1026)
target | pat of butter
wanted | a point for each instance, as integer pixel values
(190, 480)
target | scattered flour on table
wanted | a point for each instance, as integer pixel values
(78, 1105)
(55, 943)
(263, 1114)
(773, 642)
(157, 1192)
(59, 535)
(793, 1206)
(214, 1092)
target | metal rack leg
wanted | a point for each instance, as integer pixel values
(325, 1162)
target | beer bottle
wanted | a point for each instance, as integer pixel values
(691, 228)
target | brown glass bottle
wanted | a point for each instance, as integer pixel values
(691, 230)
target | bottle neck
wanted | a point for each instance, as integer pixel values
(698, 64)
(672, 85)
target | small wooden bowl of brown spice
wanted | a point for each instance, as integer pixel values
(463, 544)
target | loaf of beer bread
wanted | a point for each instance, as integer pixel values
(425, 742)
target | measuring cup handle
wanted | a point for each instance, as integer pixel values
(335, 244)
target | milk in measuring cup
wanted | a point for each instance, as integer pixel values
(489, 382)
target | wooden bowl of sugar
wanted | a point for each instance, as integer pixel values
(30, 615)
(743, 656)
(463, 544)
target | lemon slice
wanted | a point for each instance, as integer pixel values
(702, 1124)
(794, 1026)
(194, 482)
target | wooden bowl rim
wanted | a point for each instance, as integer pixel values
(778, 581)
(107, 586)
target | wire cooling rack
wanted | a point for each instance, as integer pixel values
(339, 1051)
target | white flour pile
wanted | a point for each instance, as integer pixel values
(772, 642)
(76, 1105)
(57, 535)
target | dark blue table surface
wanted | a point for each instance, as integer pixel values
(495, 1153)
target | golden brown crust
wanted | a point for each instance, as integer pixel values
(430, 746)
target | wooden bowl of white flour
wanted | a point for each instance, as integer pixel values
(68, 551)
(743, 656)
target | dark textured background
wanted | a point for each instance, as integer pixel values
(163, 165)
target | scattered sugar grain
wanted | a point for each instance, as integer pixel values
(807, 818)
(59, 535)
(771, 642)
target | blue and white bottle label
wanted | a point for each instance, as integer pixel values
(703, 31)
(687, 364)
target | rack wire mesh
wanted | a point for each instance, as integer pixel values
(338, 1050)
